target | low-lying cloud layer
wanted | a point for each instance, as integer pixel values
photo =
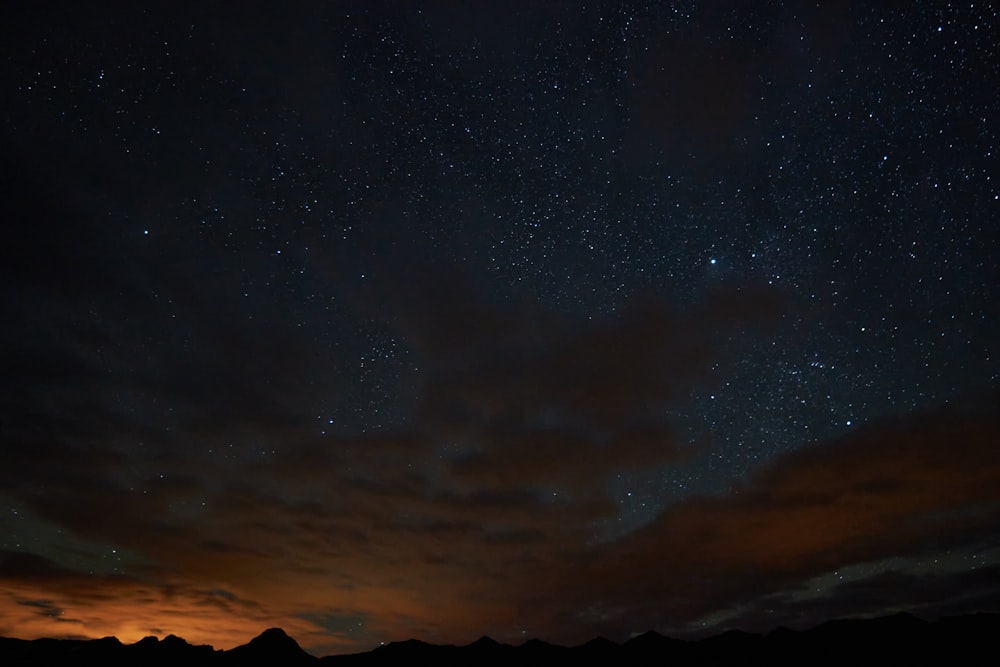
(194, 492)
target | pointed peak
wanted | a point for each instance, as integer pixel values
(275, 639)
(272, 644)
(409, 642)
(649, 640)
(535, 642)
(272, 634)
(485, 641)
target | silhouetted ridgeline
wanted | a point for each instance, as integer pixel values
(903, 637)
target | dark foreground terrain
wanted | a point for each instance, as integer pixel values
(900, 638)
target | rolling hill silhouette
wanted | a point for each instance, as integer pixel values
(904, 636)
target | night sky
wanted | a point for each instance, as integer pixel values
(380, 320)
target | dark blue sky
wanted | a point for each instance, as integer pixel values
(379, 320)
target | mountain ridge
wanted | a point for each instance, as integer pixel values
(827, 643)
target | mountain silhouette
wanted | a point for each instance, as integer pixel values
(272, 646)
(905, 637)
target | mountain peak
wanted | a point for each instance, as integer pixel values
(273, 635)
(174, 640)
(273, 644)
(485, 642)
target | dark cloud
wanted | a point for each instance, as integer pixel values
(500, 473)
(499, 477)
(339, 622)
(529, 395)
(897, 488)
(495, 482)
(44, 608)
(928, 595)
(25, 565)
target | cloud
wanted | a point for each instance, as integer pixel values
(20, 565)
(518, 418)
(531, 396)
(45, 608)
(912, 486)
(522, 414)
(891, 590)
(379, 546)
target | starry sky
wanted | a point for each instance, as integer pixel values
(378, 320)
